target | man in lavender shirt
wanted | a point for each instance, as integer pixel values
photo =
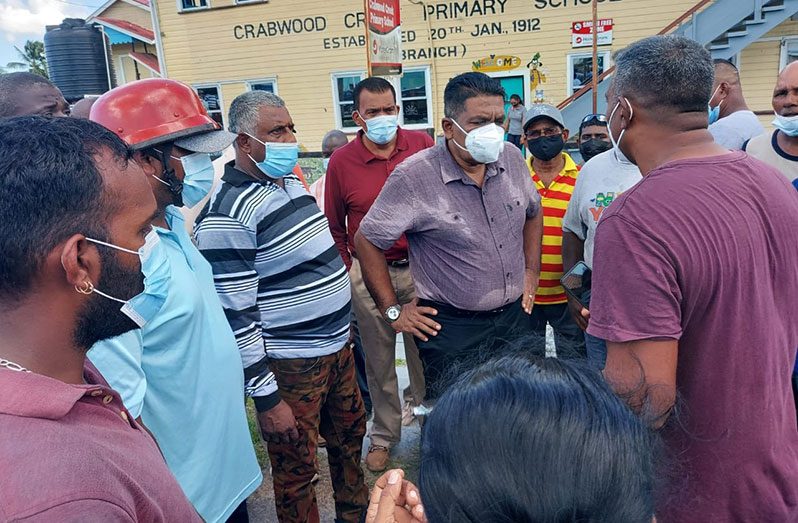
(694, 290)
(473, 224)
(75, 210)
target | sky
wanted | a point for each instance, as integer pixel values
(22, 20)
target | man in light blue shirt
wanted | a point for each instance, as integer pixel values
(181, 373)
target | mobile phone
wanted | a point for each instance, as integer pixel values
(577, 281)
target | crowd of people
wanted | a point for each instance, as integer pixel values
(146, 289)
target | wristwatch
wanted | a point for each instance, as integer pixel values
(392, 313)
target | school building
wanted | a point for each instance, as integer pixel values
(312, 52)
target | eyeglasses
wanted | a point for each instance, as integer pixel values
(597, 117)
(548, 131)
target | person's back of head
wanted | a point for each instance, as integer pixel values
(665, 74)
(523, 439)
(27, 94)
(333, 140)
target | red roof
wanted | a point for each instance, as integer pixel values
(143, 2)
(147, 59)
(136, 30)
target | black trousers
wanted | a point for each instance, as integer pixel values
(466, 339)
(240, 515)
(514, 139)
(569, 339)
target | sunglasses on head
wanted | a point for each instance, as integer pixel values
(597, 117)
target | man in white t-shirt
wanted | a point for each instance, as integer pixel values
(730, 121)
(601, 180)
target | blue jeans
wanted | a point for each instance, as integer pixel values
(596, 347)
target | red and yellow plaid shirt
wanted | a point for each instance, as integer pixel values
(554, 201)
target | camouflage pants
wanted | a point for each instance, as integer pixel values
(325, 398)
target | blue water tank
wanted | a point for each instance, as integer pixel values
(77, 60)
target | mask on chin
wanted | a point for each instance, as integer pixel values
(102, 317)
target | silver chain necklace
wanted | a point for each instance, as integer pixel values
(10, 365)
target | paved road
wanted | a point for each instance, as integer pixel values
(405, 456)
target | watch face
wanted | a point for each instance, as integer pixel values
(393, 313)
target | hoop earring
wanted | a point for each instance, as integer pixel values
(86, 288)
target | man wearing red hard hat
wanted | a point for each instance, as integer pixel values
(181, 372)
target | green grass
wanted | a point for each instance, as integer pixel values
(254, 432)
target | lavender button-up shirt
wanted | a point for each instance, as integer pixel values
(466, 244)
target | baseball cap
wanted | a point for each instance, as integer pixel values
(540, 111)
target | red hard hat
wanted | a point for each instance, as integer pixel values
(152, 111)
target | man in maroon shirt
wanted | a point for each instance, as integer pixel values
(74, 214)
(355, 176)
(694, 289)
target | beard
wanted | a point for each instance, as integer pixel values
(102, 318)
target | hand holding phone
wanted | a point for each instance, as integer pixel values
(576, 281)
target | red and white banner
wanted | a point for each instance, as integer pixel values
(582, 33)
(384, 33)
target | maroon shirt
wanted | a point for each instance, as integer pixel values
(73, 453)
(354, 180)
(704, 251)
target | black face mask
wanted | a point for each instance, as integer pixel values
(591, 148)
(546, 147)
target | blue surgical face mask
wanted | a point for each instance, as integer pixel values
(143, 307)
(325, 163)
(279, 160)
(198, 179)
(786, 124)
(714, 112)
(382, 129)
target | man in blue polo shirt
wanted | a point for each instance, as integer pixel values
(181, 373)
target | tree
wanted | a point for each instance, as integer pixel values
(33, 59)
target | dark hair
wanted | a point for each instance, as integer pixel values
(515, 96)
(672, 73)
(465, 86)
(372, 84)
(50, 189)
(724, 62)
(11, 84)
(524, 438)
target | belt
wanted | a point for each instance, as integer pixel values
(454, 311)
(399, 263)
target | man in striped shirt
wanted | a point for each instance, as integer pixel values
(554, 174)
(286, 294)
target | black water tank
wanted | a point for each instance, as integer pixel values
(76, 59)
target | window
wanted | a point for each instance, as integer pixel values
(415, 98)
(789, 52)
(412, 93)
(343, 88)
(188, 5)
(269, 86)
(212, 99)
(580, 69)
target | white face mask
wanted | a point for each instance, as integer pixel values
(484, 144)
(619, 155)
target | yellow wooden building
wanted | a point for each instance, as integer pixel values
(312, 52)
